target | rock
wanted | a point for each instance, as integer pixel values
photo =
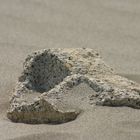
(48, 74)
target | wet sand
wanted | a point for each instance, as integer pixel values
(110, 27)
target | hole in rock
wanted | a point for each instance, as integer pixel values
(45, 72)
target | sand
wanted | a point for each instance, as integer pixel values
(111, 27)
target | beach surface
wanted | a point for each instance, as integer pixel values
(110, 27)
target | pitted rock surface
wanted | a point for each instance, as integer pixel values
(50, 74)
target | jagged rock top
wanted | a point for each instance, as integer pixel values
(49, 74)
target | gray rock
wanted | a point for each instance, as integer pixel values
(48, 74)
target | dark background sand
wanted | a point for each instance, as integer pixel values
(109, 26)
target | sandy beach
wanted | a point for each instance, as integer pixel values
(111, 27)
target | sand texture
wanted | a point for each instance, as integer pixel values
(111, 27)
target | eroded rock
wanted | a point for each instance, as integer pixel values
(49, 74)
